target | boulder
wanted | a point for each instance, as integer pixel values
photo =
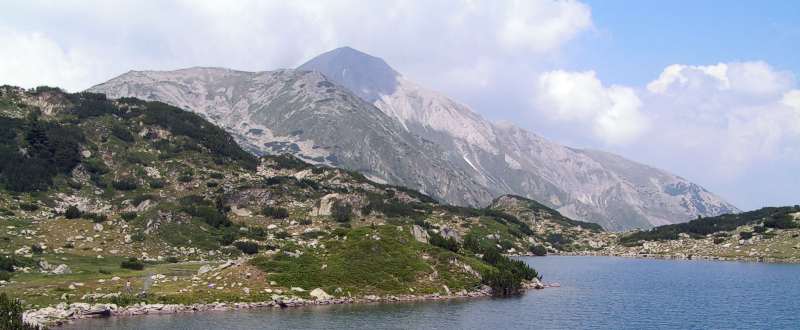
(325, 205)
(419, 234)
(451, 233)
(62, 269)
(320, 294)
(204, 269)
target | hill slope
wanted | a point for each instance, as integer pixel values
(121, 191)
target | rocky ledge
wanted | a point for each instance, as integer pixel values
(63, 313)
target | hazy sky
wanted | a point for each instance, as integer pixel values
(704, 89)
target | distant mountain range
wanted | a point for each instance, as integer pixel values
(348, 109)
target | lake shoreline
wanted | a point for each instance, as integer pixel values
(767, 260)
(62, 314)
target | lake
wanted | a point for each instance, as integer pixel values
(595, 292)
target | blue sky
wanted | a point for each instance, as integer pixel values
(707, 90)
(636, 39)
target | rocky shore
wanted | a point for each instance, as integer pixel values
(681, 256)
(63, 313)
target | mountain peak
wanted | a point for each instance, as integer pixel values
(367, 76)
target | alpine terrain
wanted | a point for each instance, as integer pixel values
(348, 109)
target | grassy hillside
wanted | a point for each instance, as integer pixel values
(96, 193)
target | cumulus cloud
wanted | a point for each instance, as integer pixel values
(437, 42)
(735, 114)
(712, 121)
(612, 112)
(33, 59)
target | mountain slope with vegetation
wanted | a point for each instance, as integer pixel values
(122, 201)
(766, 234)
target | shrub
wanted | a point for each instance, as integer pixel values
(141, 198)
(37, 249)
(559, 241)
(186, 177)
(247, 247)
(759, 229)
(138, 236)
(780, 223)
(342, 212)
(445, 243)
(275, 212)
(95, 166)
(306, 222)
(746, 235)
(172, 259)
(125, 184)
(216, 175)
(538, 250)
(96, 217)
(29, 207)
(72, 212)
(128, 216)
(157, 184)
(74, 184)
(719, 240)
(229, 237)
(11, 314)
(212, 184)
(5, 276)
(506, 279)
(281, 235)
(132, 263)
(122, 133)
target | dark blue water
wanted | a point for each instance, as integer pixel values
(596, 293)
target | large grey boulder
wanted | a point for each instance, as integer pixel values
(419, 234)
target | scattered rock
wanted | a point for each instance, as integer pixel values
(419, 234)
(320, 294)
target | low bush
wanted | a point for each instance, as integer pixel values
(125, 184)
(72, 212)
(11, 314)
(746, 235)
(30, 207)
(342, 212)
(506, 279)
(275, 212)
(538, 250)
(247, 247)
(445, 243)
(132, 263)
(128, 216)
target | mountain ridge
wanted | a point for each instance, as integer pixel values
(436, 117)
(469, 159)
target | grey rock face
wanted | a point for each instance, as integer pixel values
(582, 184)
(354, 111)
(305, 114)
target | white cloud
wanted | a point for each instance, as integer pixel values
(730, 115)
(612, 112)
(32, 59)
(435, 42)
(711, 121)
(543, 26)
(751, 78)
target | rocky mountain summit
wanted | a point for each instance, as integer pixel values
(348, 109)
